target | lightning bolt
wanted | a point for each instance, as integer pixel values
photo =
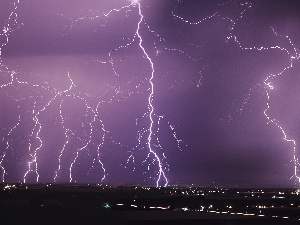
(10, 26)
(161, 173)
(153, 157)
(35, 142)
(85, 143)
(93, 134)
(267, 82)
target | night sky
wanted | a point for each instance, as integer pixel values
(154, 92)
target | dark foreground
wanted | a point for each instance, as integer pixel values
(56, 204)
(95, 216)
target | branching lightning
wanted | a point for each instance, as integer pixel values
(150, 105)
(267, 82)
(88, 136)
(152, 135)
(35, 141)
(10, 25)
(94, 128)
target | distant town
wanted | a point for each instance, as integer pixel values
(126, 204)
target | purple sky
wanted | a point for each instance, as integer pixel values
(75, 88)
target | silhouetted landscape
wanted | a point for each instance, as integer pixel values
(105, 204)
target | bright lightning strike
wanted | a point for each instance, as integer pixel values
(120, 63)
(161, 172)
(76, 144)
(268, 86)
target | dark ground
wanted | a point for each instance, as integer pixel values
(97, 205)
(84, 216)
